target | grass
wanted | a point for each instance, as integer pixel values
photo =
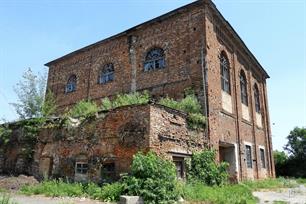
(6, 199)
(192, 192)
(235, 194)
(59, 188)
(270, 184)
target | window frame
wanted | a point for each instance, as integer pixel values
(225, 73)
(83, 170)
(71, 84)
(152, 63)
(262, 157)
(107, 74)
(243, 88)
(248, 156)
(257, 99)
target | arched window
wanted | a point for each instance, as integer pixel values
(256, 98)
(225, 73)
(107, 74)
(71, 84)
(243, 88)
(155, 59)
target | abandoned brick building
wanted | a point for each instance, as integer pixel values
(190, 47)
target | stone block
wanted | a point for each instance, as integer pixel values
(130, 200)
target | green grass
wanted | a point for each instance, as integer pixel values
(59, 188)
(6, 199)
(235, 194)
(301, 181)
(270, 184)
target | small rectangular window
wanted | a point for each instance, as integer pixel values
(262, 158)
(81, 168)
(108, 172)
(248, 154)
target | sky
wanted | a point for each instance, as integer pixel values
(34, 32)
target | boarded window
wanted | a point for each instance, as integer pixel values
(108, 171)
(248, 154)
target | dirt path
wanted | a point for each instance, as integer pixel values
(289, 195)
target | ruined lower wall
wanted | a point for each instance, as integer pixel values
(102, 147)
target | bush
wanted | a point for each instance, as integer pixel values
(83, 108)
(111, 192)
(203, 168)
(125, 100)
(152, 178)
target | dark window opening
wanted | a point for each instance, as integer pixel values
(248, 153)
(256, 98)
(262, 158)
(108, 172)
(81, 168)
(225, 73)
(71, 84)
(243, 88)
(179, 165)
(107, 74)
(155, 59)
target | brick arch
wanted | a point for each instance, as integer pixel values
(99, 64)
(153, 44)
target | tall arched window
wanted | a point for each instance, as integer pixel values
(243, 88)
(155, 59)
(107, 74)
(256, 98)
(71, 84)
(225, 73)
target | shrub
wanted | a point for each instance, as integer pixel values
(152, 178)
(125, 100)
(83, 108)
(203, 168)
(5, 134)
(111, 192)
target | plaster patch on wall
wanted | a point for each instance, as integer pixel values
(245, 112)
(227, 102)
(258, 120)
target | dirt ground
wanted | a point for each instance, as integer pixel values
(288, 195)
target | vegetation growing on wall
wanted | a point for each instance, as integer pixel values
(191, 106)
(135, 98)
(5, 134)
(84, 108)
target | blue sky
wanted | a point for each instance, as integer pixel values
(34, 32)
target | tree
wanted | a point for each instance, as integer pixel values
(296, 145)
(30, 91)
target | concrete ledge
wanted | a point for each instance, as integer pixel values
(131, 200)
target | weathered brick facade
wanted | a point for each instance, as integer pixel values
(192, 38)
